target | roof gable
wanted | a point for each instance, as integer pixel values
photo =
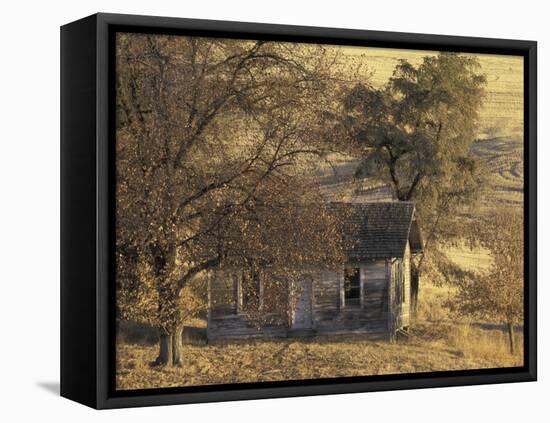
(375, 230)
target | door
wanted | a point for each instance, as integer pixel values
(302, 315)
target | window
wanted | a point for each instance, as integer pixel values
(249, 290)
(352, 287)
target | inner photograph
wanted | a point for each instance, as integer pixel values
(294, 211)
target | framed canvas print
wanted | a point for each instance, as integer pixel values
(255, 211)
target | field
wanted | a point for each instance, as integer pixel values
(502, 112)
(433, 346)
(504, 160)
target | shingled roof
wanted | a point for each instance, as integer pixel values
(375, 230)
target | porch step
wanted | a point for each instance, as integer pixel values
(300, 333)
(402, 334)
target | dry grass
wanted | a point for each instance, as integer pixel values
(486, 344)
(480, 340)
(432, 304)
(473, 259)
(432, 347)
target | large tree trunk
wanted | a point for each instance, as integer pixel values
(170, 336)
(170, 345)
(176, 346)
(165, 351)
(511, 339)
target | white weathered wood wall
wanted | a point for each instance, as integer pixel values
(380, 289)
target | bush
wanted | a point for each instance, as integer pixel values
(136, 333)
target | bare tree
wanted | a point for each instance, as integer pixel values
(498, 294)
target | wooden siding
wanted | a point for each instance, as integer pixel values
(226, 319)
(400, 291)
(394, 272)
(406, 305)
(238, 326)
(330, 315)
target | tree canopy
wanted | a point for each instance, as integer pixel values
(415, 132)
(214, 138)
(497, 295)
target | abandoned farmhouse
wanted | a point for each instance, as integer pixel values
(372, 294)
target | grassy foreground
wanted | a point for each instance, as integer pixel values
(439, 341)
(432, 347)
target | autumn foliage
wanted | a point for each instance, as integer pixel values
(497, 295)
(214, 139)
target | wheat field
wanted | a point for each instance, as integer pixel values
(502, 112)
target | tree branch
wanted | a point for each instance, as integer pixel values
(413, 186)
(208, 264)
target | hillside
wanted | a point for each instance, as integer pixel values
(504, 159)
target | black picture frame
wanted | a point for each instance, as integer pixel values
(87, 211)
